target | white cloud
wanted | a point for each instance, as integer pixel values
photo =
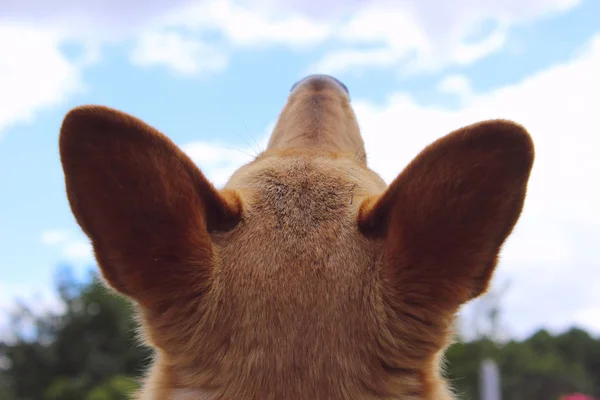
(341, 60)
(458, 85)
(248, 26)
(75, 249)
(38, 293)
(55, 237)
(40, 299)
(110, 18)
(216, 161)
(184, 55)
(440, 14)
(428, 35)
(78, 251)
(417, 35)
(219, 161)
(179, 40)
(171, 34)
(242, 22)
(34, 73)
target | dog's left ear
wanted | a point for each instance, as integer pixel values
(445, 217)
(144, 204)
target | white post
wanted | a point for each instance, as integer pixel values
(489, 379)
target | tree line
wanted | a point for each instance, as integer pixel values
(89, 351)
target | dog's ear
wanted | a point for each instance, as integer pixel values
(445, 217)
(144, 204)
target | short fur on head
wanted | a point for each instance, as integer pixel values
(306, 276)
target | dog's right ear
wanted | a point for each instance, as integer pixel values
(144, 204)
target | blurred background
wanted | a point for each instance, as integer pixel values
(214, 74)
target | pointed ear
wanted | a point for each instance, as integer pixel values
(144, 204)
(446, 216)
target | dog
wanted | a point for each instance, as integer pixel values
(306, 276)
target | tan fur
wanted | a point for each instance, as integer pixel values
(306, 277)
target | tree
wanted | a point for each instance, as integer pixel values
(90, 349)
(540, 367)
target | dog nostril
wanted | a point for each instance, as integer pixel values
(319, 81)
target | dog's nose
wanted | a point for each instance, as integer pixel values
(319, 82)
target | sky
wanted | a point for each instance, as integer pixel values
(214, 74)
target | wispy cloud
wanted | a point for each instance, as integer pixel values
(183, 55)
(76, 249)
(458, 85)
(427, 35)
(218, 161)
(35, 74)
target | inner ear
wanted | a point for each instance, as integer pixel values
(144, 204)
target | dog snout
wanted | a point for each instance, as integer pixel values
(318, 82)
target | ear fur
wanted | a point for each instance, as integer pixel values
(446, 216)
(146, 207)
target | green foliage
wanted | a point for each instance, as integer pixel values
(89, 352)
(119, 387)
(541, 367)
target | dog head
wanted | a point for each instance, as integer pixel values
(306, 276)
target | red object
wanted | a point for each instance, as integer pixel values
(576, 396)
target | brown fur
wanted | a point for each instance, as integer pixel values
(306, 277)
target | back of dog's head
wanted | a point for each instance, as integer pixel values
(306, 276)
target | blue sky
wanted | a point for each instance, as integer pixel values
(213, 75)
